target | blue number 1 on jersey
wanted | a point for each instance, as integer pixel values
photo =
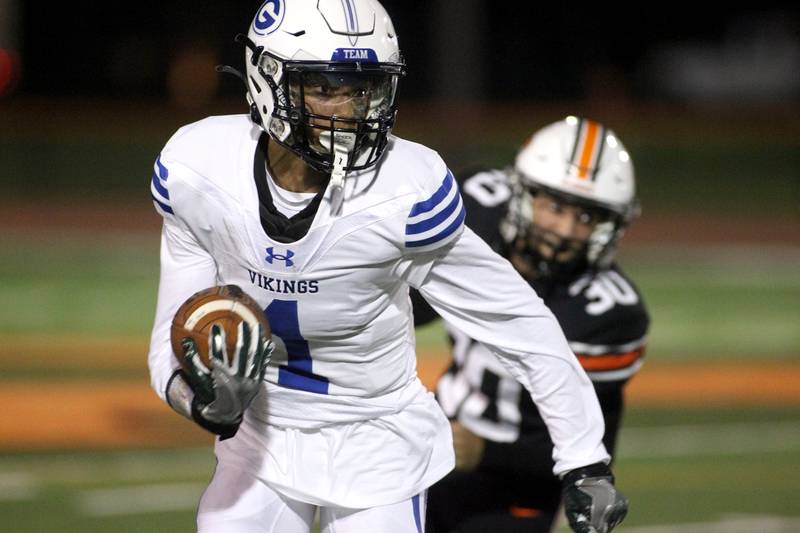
(296, 374)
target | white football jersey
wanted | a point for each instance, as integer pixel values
(342, 418)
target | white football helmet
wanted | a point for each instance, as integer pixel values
(581, 162)
(342, 51)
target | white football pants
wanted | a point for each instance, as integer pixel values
(237, 502)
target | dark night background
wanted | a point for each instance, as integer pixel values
(522, 50)
(706, 103)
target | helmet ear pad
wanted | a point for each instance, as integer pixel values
(255, 116)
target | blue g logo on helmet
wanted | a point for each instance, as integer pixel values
(269, 17)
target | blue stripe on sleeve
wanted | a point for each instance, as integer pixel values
(433, 201)
(438, 218)
(454, 225)
(163, 173)
(163, 206)
(159, 187)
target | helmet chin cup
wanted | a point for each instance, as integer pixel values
(342, 141)
(343, 144)
(564, 258)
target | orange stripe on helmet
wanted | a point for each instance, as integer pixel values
(612, 361)
(584, 163)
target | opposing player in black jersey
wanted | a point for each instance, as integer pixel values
(557, 216)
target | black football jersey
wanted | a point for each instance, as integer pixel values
(602, 314)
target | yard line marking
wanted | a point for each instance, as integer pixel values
(148, 465)
(738, 265)
(730, 255)
(729, 524)
(17, 486)
(140, 499)
(118, 467)
(716, 439)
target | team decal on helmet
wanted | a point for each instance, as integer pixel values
(269, 17)
(355, 54)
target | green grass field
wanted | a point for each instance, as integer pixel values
(735, 467)
(705, 302)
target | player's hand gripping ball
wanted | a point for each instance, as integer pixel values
(227, 306)
(222, 339)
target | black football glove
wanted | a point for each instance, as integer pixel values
(222, 393)
(591, 502)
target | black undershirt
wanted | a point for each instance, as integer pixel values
(276, 225)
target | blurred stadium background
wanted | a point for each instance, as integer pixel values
(707, 105)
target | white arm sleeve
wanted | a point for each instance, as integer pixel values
(480, 293)
(185, 269)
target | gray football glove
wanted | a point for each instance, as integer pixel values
(591, 502)
(222, 394)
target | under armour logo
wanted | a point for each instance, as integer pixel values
(286, 258)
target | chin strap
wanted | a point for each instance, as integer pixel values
(342, 144)
(337, 180)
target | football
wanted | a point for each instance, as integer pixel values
(226, 305)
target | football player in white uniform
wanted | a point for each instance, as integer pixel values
(557, 215)
(312, 208)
